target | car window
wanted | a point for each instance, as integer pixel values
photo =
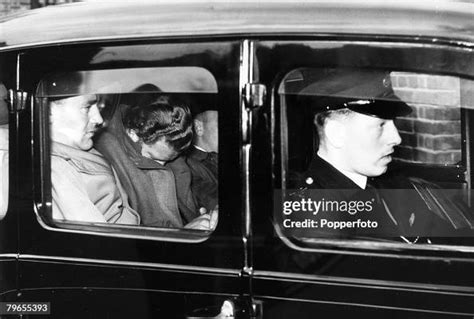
(379, 154)
(132, 147)
(4, 158)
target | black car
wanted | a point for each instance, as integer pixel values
(262, 67)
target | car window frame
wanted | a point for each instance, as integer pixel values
(42, 164)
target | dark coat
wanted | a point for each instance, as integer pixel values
(161, 194)
(399, 204)
(208, 159)
(203, 167)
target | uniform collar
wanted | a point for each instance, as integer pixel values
(327, 176)
(358, 179)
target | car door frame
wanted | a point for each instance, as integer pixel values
(287, 291)
(217, 269)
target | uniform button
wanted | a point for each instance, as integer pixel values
(309, 181)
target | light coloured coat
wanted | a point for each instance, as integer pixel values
(85, 188)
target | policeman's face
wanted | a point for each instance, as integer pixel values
(368, 143)
(75, 120)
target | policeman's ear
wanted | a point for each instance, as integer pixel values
(334, 132)
(133, 135)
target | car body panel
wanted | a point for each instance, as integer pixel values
(94, 21)
(141, 291)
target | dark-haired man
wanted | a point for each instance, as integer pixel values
(144, 143)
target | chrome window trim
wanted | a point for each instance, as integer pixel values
(86, 231)
(286, 35)
(171, 267)
(372, 248)
(364, 283)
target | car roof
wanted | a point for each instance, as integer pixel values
(87, 21)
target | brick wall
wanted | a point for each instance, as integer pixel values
(12, 6)
(432, 132)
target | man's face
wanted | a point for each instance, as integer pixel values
(160, 151)
(75, 120)
(368, 143)
(211, 131)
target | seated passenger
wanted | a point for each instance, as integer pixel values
(357, 137)
(205, 142)
(201, 158)
(144, 143)
(85, 187)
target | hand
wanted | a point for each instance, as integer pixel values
(207, 221)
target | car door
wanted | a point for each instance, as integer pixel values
(9, 183)
(86, 269)
(300, 272)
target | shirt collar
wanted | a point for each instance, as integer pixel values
(200, 148)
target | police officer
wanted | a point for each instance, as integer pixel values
(354, 119)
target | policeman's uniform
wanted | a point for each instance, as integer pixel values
(400, 213)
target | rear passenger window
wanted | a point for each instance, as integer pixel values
(132, 150)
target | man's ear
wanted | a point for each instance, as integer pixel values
(133, 135)
(198, 127)
(334, 131)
